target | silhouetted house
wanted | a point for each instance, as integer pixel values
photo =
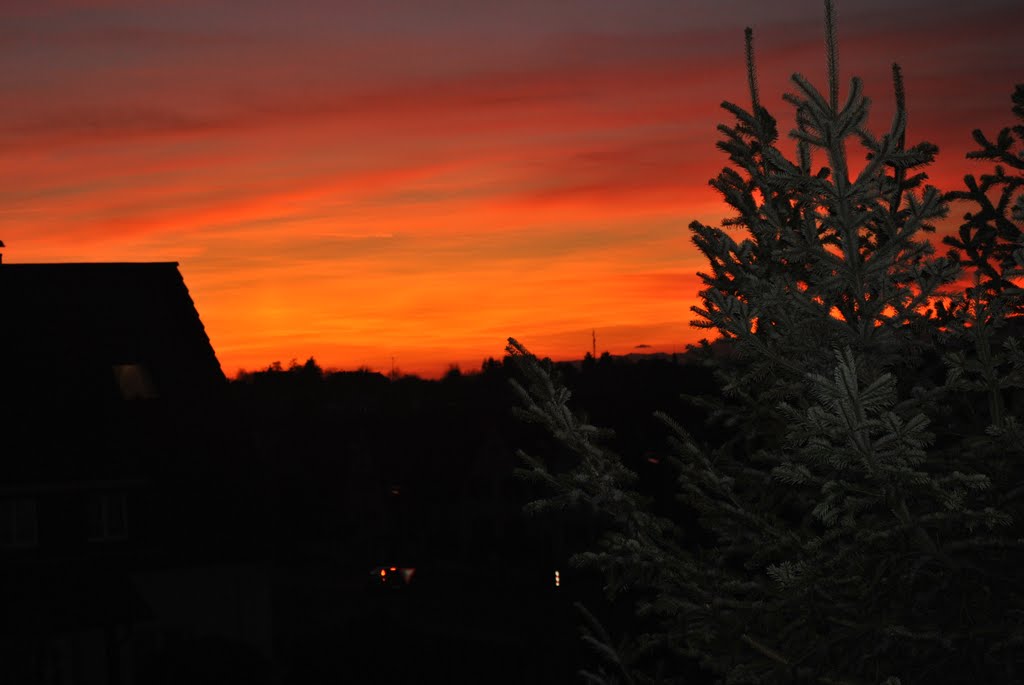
(114, 541)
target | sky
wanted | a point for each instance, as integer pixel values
(410, 182)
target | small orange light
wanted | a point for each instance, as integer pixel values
(558, 579)
(393, 568)
(383, 573)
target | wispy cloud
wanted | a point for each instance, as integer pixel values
(356, 180)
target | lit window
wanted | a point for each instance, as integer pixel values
(108, 516)
(134, 382)
(394, 577)
(19, 526)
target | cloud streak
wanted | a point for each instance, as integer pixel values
(380, 179)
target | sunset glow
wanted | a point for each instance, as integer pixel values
(367, 181)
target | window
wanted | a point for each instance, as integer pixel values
(19, 526)
(134, 382)
(108, 516)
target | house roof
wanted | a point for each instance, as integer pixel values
(69, 328)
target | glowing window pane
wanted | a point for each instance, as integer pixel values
(134, 382)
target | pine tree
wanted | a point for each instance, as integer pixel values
(846, 543)
(990, 243)
(991, 236)
(982, 335)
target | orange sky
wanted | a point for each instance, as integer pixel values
(420, 180)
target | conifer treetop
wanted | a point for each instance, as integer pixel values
(837, 255)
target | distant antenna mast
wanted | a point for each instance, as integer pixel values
(593, 343)
(1, 253)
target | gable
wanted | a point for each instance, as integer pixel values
(91, 332)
